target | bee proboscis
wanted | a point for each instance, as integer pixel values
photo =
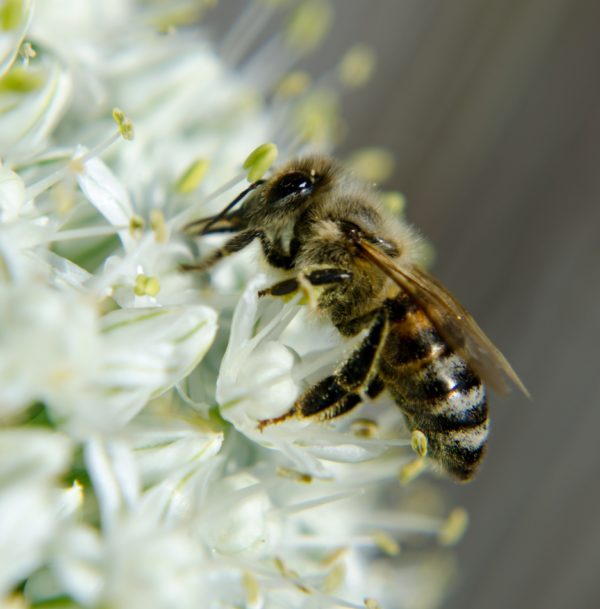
(331, 235)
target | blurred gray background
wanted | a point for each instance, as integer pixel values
(492, 111)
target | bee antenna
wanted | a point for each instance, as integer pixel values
(229, 207)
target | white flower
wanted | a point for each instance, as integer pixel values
(93, 374)
(30, 501)
(132, 470)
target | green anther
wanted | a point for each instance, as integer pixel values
(372, 164)
(125, 125)
(192, 176)
(11, 14)
(309, 25)
(357, 66)
(418, 442)
(394, 201)
(259, 161)
(21, 80)
(454, 528)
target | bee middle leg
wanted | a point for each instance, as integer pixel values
(343, 390)
(307, 282)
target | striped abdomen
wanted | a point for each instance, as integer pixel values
(435, 389)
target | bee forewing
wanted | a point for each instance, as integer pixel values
(452, 321)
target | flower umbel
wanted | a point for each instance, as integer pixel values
(132, 470)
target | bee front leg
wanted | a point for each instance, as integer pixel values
(235, 244)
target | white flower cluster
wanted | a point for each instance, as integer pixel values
(132, 473)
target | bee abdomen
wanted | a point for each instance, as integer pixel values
(442, 397)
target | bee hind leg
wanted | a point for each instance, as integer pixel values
(340, 392)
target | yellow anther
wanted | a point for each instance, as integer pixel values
(192, 176)
(159, 226)
(15, 601)
(152, 286)
(27, 52)
(146, 286)
(136, 226)
(411, 470)
(259, 161)
(371, 603)
(454, 528)
(75, 491)
(372, 164)
(357, 65)
(394, 201)
(334, 579)
(418, 442)
(308, 25)
(182, 15)
(124, 124)
(386, 543)
(139, 287)
(364, 428)
(252, 589)
(293, 84)
(333, 557)
(11, 14)
(291, 575)
(295, 475)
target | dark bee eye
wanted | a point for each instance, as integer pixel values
(293, 183)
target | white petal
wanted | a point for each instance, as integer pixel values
(29, 463)
(12, 194)
(11, 40)
(157, 347)
(25, 127)
(144, 352)
(105, 193)
(77, 563)
(240, 517)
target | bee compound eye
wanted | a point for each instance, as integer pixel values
(290, 184)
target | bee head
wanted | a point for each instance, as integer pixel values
(278, 199)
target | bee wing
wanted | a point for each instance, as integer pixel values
(452, 321)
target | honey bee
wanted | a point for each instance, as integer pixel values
(359, 265)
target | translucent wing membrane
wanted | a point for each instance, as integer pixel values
(452, 321)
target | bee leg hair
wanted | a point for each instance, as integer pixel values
(340, 392)
(318, 277)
